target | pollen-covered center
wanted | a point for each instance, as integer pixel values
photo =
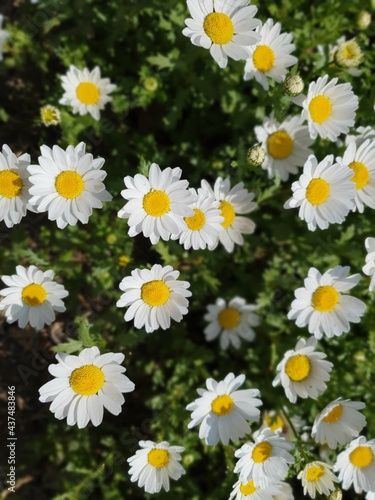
(228, 212)
(320, 108)
(325, 298)
(196, 221)
(314, 473)
(274, 423)
(88, 93)
(248, 488)
(263, 58)
(361, 456)
(69, 184)
(334, 415)
(219, 28)
(317, 191)
(10, 184)
(34, 294)
(229, 318)
(280, 145)
(158, 458)
(298, 367)
(155, 293)
(156, 203)
(222, 405)
(361, 174)
(261, 452)
(87, 380)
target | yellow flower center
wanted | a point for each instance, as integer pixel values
(325, 298)
(219, 28)
(280, 145)
(196, 221)
(334, 415)
(155, 293)
(10, 184)
(227, 211)
(298, 367)
(229, 318)
(320, 108)
(317, 191)
(34, 294)
(69, 184)
(88, 93)
(87, 380)
(274, 423)
(361, 174)
(156, 203)
(50, 115)
(222, 405)
(314, 473)
(361, 456)
(158, 458)
(261, 452)
(263, 58)
(248, 488)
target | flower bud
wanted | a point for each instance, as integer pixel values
(256, 155)
(293, 85)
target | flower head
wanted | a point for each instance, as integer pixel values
(248, 491)
(50, 115)
(317, 477)
(369, 268)
(293, 85)
(256, 155)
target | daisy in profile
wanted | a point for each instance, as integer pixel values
(339, 423)
(248, 491)
(68, 184)
(32, 297)
(84, 385)
(86, 91)
(154, 464)
(154, 297)
(361, 160)
(233, 201)
(303, 372)
(222, 411)
(225, 27)
(231, 322)
(286, 492)
(3, 36)
(277, 421)
(158, 204)
(362, 134)
(287, 145)
(324, 193)
(329, 108)
(356, 465)
(265, 461)
(322, 306)
(202, 228)
(271, 56)
(14, 186)
(317, 477)
(369, 268)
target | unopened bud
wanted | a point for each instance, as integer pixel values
(256, 155)
(363, 20)
(293, 85)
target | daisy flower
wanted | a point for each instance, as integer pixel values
(233, 201)
(231, 322)
(3, 36)
(50, 115)
(84, 385)
(271, 55)
(356, 465)
(362, 134)
(158, 204)
(32, 297)
(339, 423)
(68, 184)
(369, 268)
(248, 491)
(225, 27)
(154, 296)
(329, 108)
(303, 372)
(286, 492)
(360, 159)
(317, 477)
(265, 461)
(222, 410)
(277, 420)
(14, 186)
(202, 228)
(324, 193)
(287, 145)
(348, 54)
(321, 305)
(86, 91)
(154, 464)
